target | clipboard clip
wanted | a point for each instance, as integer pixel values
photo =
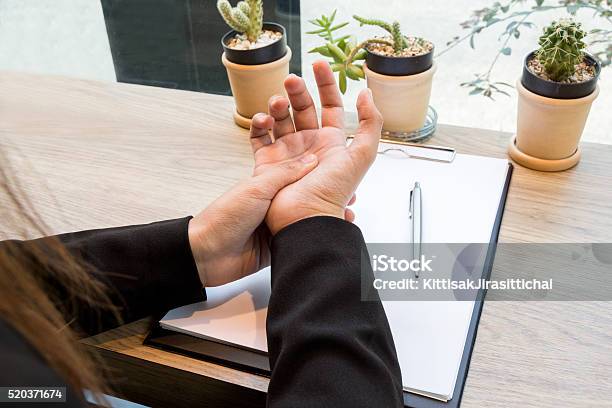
(441, 154)
(435, 153)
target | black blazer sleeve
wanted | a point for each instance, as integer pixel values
(327, 347)
(149, 269)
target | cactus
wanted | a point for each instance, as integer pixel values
(561, 49)
(246, 17)
(399, 41)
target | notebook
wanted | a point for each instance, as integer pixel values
(460, 205)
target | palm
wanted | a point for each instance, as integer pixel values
(330, 186)
(311, 141)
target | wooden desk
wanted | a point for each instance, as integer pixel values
(93, 155)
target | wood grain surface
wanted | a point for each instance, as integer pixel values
(91, 155)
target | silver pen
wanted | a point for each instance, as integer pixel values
(416, 215)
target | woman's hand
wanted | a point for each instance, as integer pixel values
(228, 239)
(330, 187)
(302, 171)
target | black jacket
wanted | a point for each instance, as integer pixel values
(327, 347)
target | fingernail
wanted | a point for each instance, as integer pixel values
(309, 159)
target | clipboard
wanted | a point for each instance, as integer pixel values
(256, 362)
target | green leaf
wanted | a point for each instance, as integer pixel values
(333, 16)
(342, 82)
(361, 55)
(572, 8)
(476, 91)
(351, 75)
(316, 31)
(321, 50)
(492, 21)
(472, 42)
(347, 48)
(337, 67)
(339, 26)
(336, 53)
(506, 51)
(502, 92)
(355, 72)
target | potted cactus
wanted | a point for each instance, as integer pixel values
(399, 70)
(556, 90)
(256, 57)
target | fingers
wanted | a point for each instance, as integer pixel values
(349, 215)
(278, 176)
(259, 132)
(365, 144)
(332, 110)
(304, 112)
(278, 106)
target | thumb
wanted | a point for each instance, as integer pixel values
(278, 176)
(367, 137)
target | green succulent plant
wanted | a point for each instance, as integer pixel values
(561, 48)
(344, 51)
(246, 17)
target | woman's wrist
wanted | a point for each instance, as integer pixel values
(277, 223)
(197, 245)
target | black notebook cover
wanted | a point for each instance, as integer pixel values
(257, 363)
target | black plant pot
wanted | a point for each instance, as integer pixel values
(559, 90)
(399, 66)
(257, 56)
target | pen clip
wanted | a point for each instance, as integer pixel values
(410, 206)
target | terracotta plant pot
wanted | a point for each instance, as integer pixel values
(256, 75)
(550, 121)
(401, 99)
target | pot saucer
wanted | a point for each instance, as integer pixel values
(242, 121)
(416, 136)
(536, 163)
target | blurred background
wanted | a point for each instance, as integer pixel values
(176, 44)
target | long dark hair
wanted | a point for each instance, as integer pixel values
(36, 309)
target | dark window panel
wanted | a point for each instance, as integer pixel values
(176, 43)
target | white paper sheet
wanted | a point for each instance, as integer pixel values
(460, 203)
(233, 314)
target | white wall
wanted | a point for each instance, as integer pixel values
(62, 37)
